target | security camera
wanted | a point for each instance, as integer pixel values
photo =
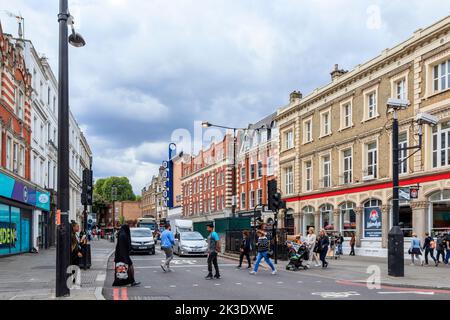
(398, 104)
(425, 118)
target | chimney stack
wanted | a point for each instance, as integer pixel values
(336, 73)
(295, 96)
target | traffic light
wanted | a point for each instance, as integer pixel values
(275, 201)
(86, 195)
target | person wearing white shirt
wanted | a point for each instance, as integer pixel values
(311, 243)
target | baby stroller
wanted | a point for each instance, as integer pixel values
(297, 254)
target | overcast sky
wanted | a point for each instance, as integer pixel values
(153, 66)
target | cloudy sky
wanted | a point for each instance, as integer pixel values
(154, 66)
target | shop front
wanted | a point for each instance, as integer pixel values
(19, 204)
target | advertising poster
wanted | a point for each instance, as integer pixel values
(372, 223)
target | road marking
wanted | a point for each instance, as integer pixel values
(120, 295)
(238, 283)
(173, 286)
(195, 285)
(280, 282)
(190, 266)
(299, 281)
(148, 287)
(259, 283)
(217, 284)
(335, 295)
(406, 292)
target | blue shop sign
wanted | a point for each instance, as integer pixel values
(19, 191)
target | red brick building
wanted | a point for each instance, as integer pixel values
(257, 163)
(207, 182)
(15, 108)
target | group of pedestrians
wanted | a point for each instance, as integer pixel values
(441, 245)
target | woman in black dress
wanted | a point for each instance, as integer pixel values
(122, 256)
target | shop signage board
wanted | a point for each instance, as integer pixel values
(372, 223)
(19, 191)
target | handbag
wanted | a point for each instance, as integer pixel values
(121, 271)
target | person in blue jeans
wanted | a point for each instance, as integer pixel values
(167, 242)
(263, 252)
(447, 246)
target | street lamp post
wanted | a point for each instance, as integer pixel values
(396, 266)
(63, 243)
(233, 180)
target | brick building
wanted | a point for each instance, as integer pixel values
(19, 197)
(257, 163)
(335, 159)
(207, 182)
(130, 210)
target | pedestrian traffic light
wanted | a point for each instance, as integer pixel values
(275, 201)
(272, 190)
(86, 195)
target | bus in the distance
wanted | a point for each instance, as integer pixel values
(147, 223)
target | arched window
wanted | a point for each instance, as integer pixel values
(348, 218)
(326, 217)
(308, 218)
(440, 212)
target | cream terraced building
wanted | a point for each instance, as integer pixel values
(335, 145)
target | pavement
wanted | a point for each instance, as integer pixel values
(32, 276)
(358, 269)
(187, 282)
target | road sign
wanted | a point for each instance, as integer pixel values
(404, 194)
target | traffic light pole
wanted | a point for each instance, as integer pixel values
(274, 235)
(63, 230)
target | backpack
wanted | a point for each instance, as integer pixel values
(440, 243)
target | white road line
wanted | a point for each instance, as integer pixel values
(280, 282)
(148, 287)
(217, 284)
(299, 281)
(238, 283)
(195, 285)
(173, 286)
(407, 292)
(259, 283)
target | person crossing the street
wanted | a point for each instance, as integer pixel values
(167, 242)
(213, 249)
(311, 242)
(263, 252)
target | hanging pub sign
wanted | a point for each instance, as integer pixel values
(372, 223)
(414, 193)
(404, 194)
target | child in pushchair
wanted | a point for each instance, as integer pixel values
(297, 253)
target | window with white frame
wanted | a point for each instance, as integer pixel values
(441, 145)
(346, 115)
(372, 105)
(307, 131)
(400, 89)
(252, 199)
(325, 123)
(243, 200)
(16, 158)
(326, 217)
(270, 166)
(308, 176)
(372, 160)
(348, 219)
(260, 196)
(289, 180)
(252, 171)
(289, 139)
(326, 171)
(21, 161)
(20, 104)
(347, 166)
(260, 169)
(403, 153)
(243, 174)
(8, 153)
(441, 76)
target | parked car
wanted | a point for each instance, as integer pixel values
(190, 243)
(142, 240)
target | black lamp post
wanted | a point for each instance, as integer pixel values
(233, 181)
(63, 243)
(396, 266)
